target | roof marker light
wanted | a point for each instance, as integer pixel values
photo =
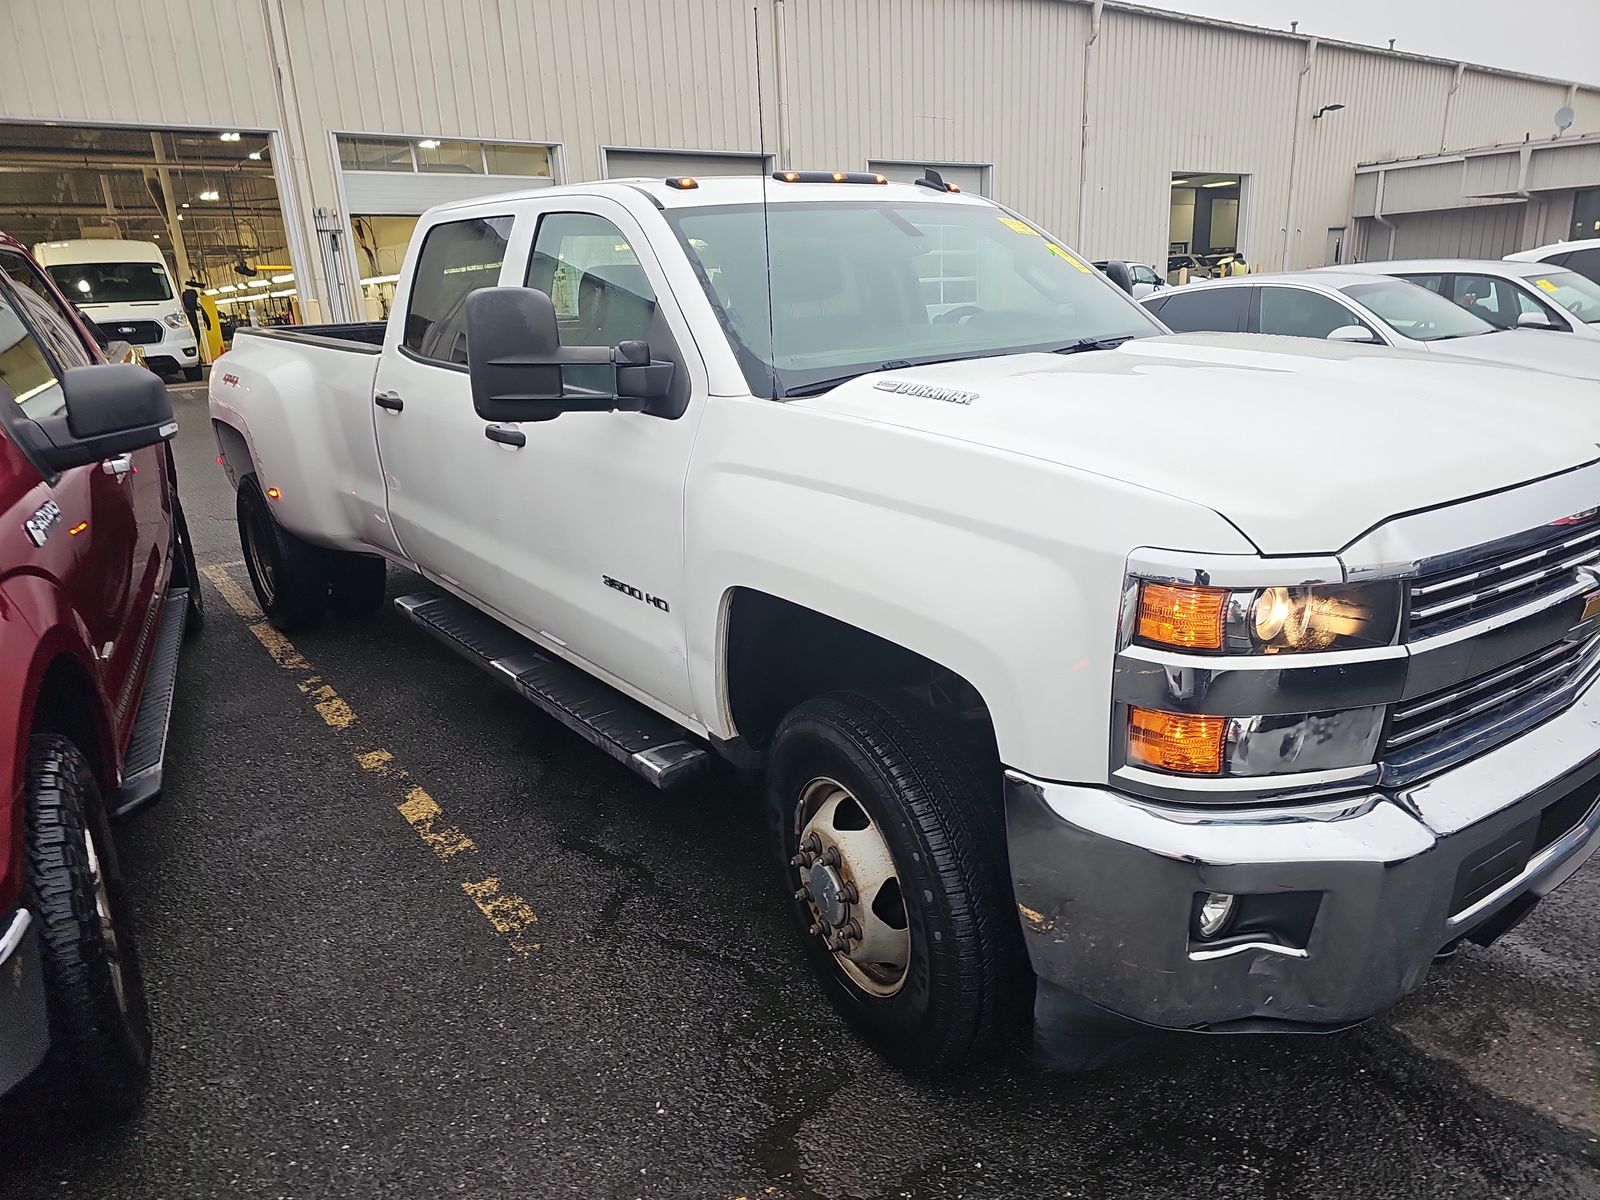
(683, 183)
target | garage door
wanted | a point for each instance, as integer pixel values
(969, 177)
(664, 164)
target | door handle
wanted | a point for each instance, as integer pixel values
(389, 400)
(506, 437)
(118, 466)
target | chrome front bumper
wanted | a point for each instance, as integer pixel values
(1106, 883)
(24, 1024)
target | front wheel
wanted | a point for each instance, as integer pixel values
(895, 858)
(99, 1026)
(193, 374)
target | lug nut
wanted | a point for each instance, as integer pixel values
(850, 930)
(801, 861)
(830, 856)
(812, 844)
(838, 945)
(848, 893)
(801, 895)
(814, 929)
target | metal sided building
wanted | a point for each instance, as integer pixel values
(306, 135)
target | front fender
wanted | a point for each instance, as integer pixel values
(1006, 570)
(38, 629)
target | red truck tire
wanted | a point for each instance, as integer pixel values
(99, 1023)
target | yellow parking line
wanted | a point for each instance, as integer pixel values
(510, 915)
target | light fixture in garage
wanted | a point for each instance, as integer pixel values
(1182, 182)
(180, 216)
(259, 283)
(185, 204)
(254, 155)
(230, 137)
(211, 291)
(428, 144)
(283, 279)
(211, 195)
(1222, 183)
(227, 287)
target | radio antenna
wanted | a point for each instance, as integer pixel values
(766, 224)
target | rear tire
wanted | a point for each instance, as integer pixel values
(357, 583)
(185, 574)
(193, 374)
(99, 1023)
(290, 576)
(965, 984)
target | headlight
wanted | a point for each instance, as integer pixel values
(1200, 744)
(175, 321)
(1270, 620)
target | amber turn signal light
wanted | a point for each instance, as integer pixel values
(1189, 618)
(1186, 743)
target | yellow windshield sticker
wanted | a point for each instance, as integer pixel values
(1546, 285)
(1017, 226)
(1071, 258)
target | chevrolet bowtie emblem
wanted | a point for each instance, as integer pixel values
(1591, 602)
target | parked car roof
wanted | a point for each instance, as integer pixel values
(1542, 253)
(1437, 266)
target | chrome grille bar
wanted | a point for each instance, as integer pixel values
(1524, 680)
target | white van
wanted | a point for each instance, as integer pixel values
(124, 287)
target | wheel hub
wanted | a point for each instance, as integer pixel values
(850, 883)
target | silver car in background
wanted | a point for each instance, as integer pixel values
(1509, 294)
(1344, 305)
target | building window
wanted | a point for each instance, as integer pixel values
(375, 154)
(443, 156)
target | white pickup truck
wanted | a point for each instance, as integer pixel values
(1204, 683)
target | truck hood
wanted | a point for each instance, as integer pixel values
(1541, 350)
(1303, 445)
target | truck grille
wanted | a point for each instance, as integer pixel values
(1433, 731)
(1503, 579)
(136, 333)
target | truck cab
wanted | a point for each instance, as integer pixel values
(1137, 677)
(126, 289)
(96, 590)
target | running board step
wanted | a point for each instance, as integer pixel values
(147, 746)
(636, 736)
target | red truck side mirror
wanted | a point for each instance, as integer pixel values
(110, 408)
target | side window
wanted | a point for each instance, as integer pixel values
(456, 259)
(1434, 283)
(1208, 308)
(1295, 312)
(46, 310)
(1143, 274)
(1495, 300)
(1585, 262)
(589, 270)
(27, 377)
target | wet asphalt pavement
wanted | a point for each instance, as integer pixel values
(340, 1011)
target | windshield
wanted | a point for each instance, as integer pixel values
(860, 287)
(112, 283)
(1415, 312)
(1576, 293)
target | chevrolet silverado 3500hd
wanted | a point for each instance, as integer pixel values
(1191, 683)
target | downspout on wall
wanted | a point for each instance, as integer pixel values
(1377, 213)
(1083, 130)
(1294, 152)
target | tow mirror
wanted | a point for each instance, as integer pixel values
(1119, 274)
(518, 365)
(110, 409)
(1535, 320)
(1353, 333)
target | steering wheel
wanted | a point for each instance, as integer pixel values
(958, 314)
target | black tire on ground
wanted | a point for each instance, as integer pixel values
(193, 374)
(184, 572)
(967, 985)
(356, 583)
(99, 1061)
(290, 576)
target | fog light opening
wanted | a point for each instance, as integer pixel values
(1216, 909)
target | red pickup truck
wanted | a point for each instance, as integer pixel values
(97, 584)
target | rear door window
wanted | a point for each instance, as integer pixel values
(1219, 309)
(1584, 262)
(1497, 301)
(456, 260)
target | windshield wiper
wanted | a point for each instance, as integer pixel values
(1092, 343)
(817, 387)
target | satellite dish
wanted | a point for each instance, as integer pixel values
(1564, 116)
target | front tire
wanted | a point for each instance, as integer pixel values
(290, 576)
(356, 583)
(903, 896)
(99, 1023)
(193, 374)
(185, 573)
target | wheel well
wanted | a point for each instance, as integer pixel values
(236, 460)
(66, 705)
(780, 653)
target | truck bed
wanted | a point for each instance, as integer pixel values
(365, 337)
